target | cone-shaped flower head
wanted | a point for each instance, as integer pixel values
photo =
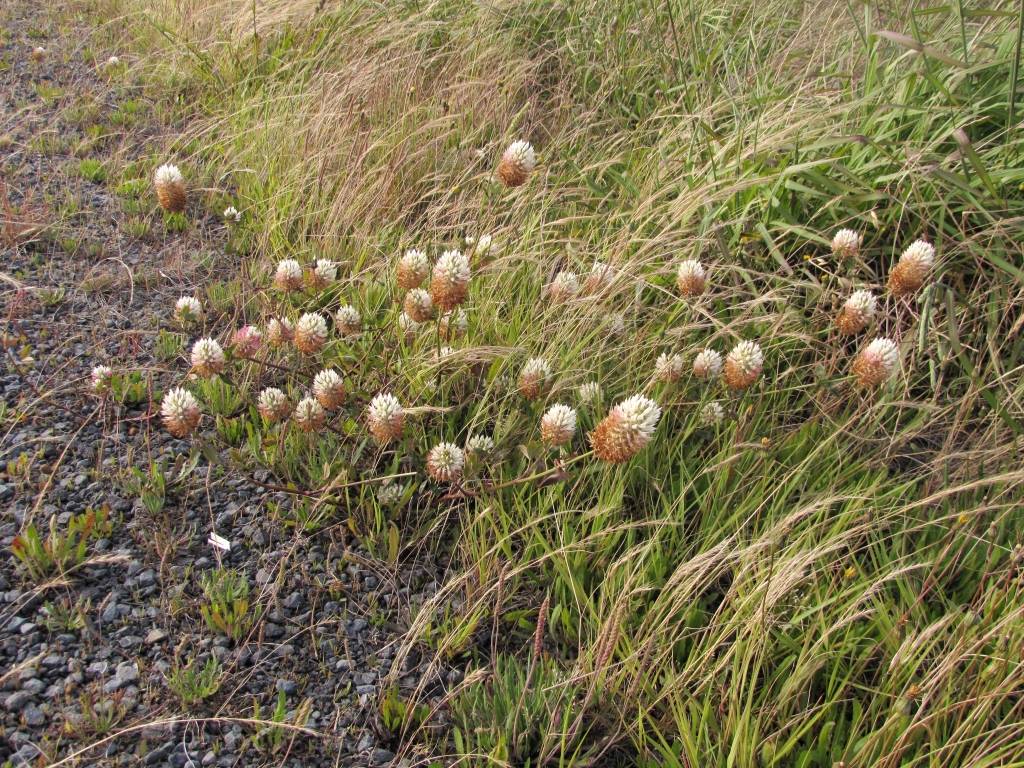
(323, 273)
(231, 215)
(483, 245)
(280, 331)
(348, 320)
(626, 430)
(180, 412)
(38, 53)
(564, 286)
(691, 278)
(599, 279)
(288, 276)
(309, 415)
(846, 244)
(386, 418)
(412, 269)
(857, 313)
(408, 327)
(187, 310)
(743, 365)
(102, 376)
(614, 324)
(247, 341)
(558, 425)
(418, 305)
(914, 265)
(534, 378)
(480, 446)
(449, 285)
(390, 493)
(707, 364)
(517, 164)
(207, 357)
(590, 393)
(454, 324)
(668, 368)
(876, 363)
(273, 404)
(712, 413)
(170, 189)
(445, 462)
(310, 333)
(329, 389)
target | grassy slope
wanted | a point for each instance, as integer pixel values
(828, 576)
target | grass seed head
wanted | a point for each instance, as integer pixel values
(207, 357)
(273, 404)
(170, 189)
(280, 331)
(914, 265)
(445, 462)
(386, 418)
(309, 415)
(691, 278)
(348, 320)
(743, 365)
(412, 269)
(310, 333)
(846, 244)
(288, 276)
(857, 313)
(418, 305)
(180, 412)
(449, 285)
(534, 378)
(876, 363)
(329, 389)
(558, 425)
(626, 430)
(517, 163)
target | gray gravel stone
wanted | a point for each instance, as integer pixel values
(17, 700)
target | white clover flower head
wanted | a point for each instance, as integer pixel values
(187, 310)
(39, 53)
(590, 392)
(247, 341)
(564, 286)
(101, 378)
(386, 417)
(454, 324)
(846, 243)
(409, 327)
(743, 365)
(445, 462)
(712, 413)
(207, 357)
(310, 333)
(418, 305)
(325, 272)
(288, 275)
(113, 61)
(444, 352)
(470, 239)
(348, 320)
(273, 404)
(449, 285)
(180, 412)
(640, 415)
(919, 253)
(280, 330)
(877, 362)
(629, 426)
(691, 277)
(329, 389)
(483, 245)
(390, 493)
(168, 175)
(309, 414)
(863, 304)
(480, 446)
(708, 364)
(522, 153)
(534, 377)
(558, 425)
(614, 323)
(668, 368)
(413, 267)
(231, 215)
